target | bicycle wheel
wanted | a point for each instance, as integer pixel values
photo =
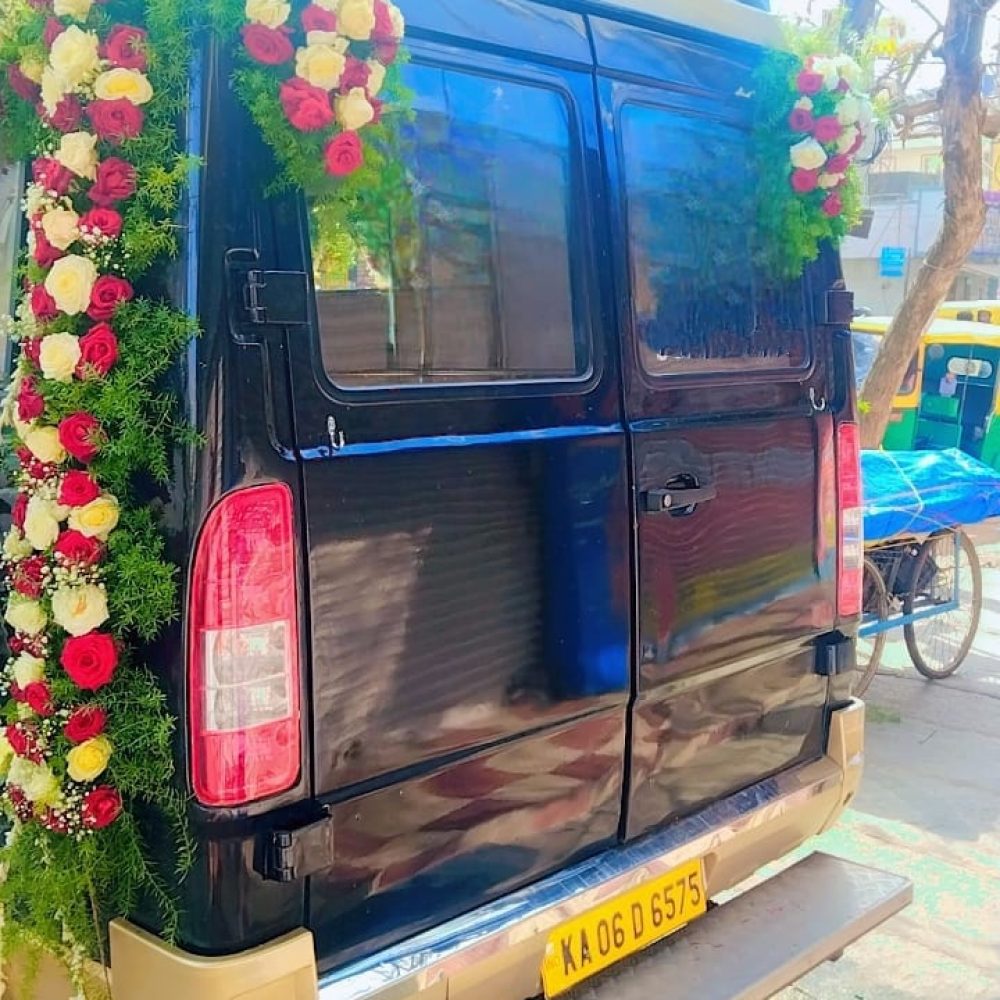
(940, 643)
(875, 603)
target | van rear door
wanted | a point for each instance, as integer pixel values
(731, 456)
(458, 416)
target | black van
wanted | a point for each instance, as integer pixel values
(543, 567)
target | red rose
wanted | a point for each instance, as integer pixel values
(344, 154)
(98, 351)
(270, 46)
(117, 120)
(78, 489)
(808, 82)
(30, 405)
(125, 46)
(827, 129)
(42, 304)
(45, 254)
(66, 117)
(355, 74)
(19, 509)
(51, 175)
(306, 107)
(316, 18)
(23, 740)
(101, 807)
(384, 30)
(77, 548)
(103, 221)
(38, 698)
(32, 349)
(115, 182)
(107, 294)
(80, 434)
(53, 29)
(386, 52)
(26, 89)
(90, 660)
(804, 181)
(27, 576)
(801, 120)
(838, 164)
(85, 723)
(833, 206)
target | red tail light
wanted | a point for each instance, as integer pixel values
(243, 661)
(850, 570)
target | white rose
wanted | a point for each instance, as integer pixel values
(807, 155)
(37, 781)
(41, 523)
(320, 65)
(376, 77)
(78, 9)
(354, 110)
(16, 546)
(356, 19)
(59, 355)
(6, 755)
(331, 38)
(118, 83)
(398, 21)
(848, 110)
(54, 89)
(271, 13)
(827, 68)
(44, 444)
(78, 152)
(330, 5)
(25, 616)
(804, 104)
(28, 669)
(75, 56)
(70, 283)
(826, 181)
(80, 609)
(849, 70)
(847, 140)
(32, 68)
(61, 227)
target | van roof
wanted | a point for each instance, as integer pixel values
(942, 331)
(729, 18)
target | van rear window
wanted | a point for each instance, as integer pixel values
(474, 283)
(700, 306)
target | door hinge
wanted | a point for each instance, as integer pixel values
(276, 298)
(288, 855)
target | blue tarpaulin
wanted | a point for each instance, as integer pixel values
(915, 492)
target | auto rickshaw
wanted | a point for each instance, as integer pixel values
(976, 310)
(948, 396)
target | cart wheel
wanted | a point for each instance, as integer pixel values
(940, 643)
(875, 603)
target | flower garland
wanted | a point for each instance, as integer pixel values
(85, 733)
(812, 121)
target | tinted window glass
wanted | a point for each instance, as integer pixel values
(699, 304)
(477, 286)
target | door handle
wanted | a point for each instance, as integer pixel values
(677, 498)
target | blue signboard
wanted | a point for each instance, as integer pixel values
(892, 263)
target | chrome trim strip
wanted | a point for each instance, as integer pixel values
(461, 943)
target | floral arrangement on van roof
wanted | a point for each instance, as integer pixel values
(813, 118)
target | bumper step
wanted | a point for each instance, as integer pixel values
(763, 940)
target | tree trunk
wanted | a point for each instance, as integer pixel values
(964, 213)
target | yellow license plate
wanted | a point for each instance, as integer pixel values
(600, 937)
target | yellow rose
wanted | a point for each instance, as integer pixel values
(376, 77)
(37, 781)
(44, 444)
(96, 519)
(6, 755)
(59, 355)
(321, 65)
(41, 523)
(78, 9)
(32, 69)
(25, 616)
(16, 546)
(54, 89)
(354, 109)
(75, 56)
(271, 13)
(61, 227)
(78, 152)
(89, 760)
(80, 609)
(128, 83)
(70, 283)
(356, 19)
(27, 670)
